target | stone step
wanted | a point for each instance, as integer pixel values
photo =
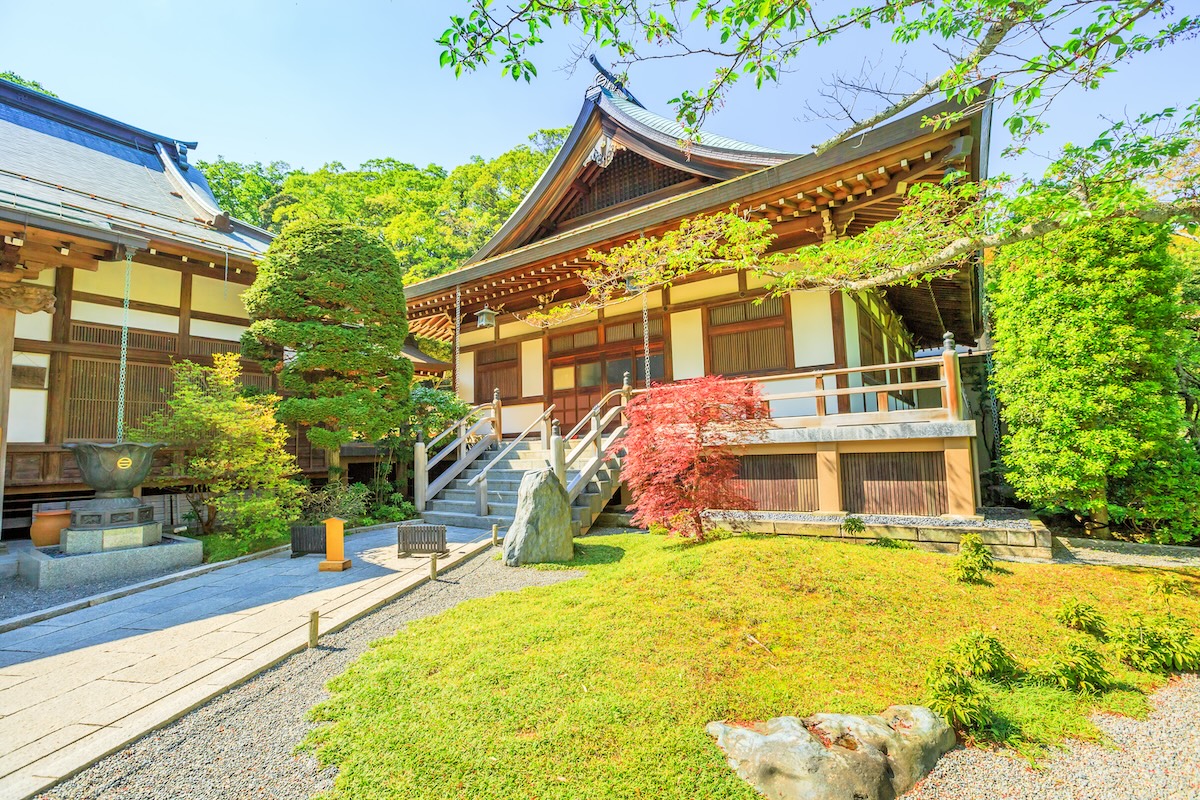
(452, 519)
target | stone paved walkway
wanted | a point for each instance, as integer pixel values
(79, 686)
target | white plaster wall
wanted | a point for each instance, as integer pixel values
(27, 407)
(466, 377)
(516, 418)
(710, 287)
(756, 281)
(634, 306)
(111, 315)
(794, 407)
(478, 336)
(812, 328)
(532, 368)
(687, 344)
(217, 296)
(216, 330)
(510, 330)
(34, 326)
(46, 277)
(148, 284)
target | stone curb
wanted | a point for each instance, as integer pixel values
(473, 549)
(12, 623)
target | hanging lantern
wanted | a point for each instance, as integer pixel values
(631, 285)
(485, 318)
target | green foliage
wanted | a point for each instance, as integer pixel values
(889, 543)
(1076, 668)
(978, 655)
(336, 499)
(1089, 335)
(13, 77)
(236, 467)
(852, 526)
(244, 189)
(1158, 644)
(973, 562)
(432, 219)
(1080, 616)
(329, 319)
(1165, 585)
(951, 694)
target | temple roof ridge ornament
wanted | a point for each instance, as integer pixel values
(609, 81)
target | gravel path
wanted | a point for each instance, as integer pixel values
(1071, 550)
(1154, 759)
(241, 745)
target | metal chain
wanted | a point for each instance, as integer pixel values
(646, 335)
(457, 330)
(124, 347)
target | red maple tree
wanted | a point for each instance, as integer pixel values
(679, 459)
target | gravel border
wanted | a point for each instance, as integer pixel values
(992, 518)
(1153, 759)
(242, 744)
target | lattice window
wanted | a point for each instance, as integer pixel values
(628, 176)
(97, 333)
(92, 396)
(497, 368)
(625, 331)
(579, 340)
(203, 346)
(746, 338)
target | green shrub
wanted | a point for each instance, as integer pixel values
(1166, 585)
(973, 561)
(890, 544)
(951, 694)
(336, 499)
(1160, 644)
(1077, 668)
(1080, 616)
(978, 655)
(853, 526)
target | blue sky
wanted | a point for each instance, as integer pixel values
(308, 82)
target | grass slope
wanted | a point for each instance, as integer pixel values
(602, 686)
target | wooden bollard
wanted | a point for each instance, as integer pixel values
(433, 567)
(495, 535)
(314, 618)
(335, 546)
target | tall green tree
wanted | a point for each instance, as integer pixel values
(1090, 334)
(244, 189)
(328, 317)
(13, 77)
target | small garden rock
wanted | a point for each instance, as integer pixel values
(541, 530)
(837, 756)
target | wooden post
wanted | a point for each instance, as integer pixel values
(495, 535)
(881, 402)
(462, 440)
(599, 434)
(819, 385)
(547, 424)
(433, 567)
(960, 478)
(420, 472)
(314, 617)
(335, 546)
(626, 396)
(829, 479)
(496, 411)
(558, 454)
(952, 392)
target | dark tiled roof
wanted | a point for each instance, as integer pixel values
(59, 162)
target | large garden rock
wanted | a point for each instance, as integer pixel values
(541, 531)
(837, 756)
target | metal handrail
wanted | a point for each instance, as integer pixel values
(487, 467)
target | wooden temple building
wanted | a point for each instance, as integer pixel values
(79, 193)
(861, 425)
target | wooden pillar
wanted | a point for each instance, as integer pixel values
(829, 479)
(185, 315)
(960, 478)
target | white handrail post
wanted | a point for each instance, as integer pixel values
(599, 440)
(481, 498)
(558, 454)
(496, 407)
(420, 472)
(547, 424)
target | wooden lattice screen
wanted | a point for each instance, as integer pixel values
(628, 176)
(203, 346)
(497, 368)
(97, 333)
(784, 482)
(748, 337)
(92, 396)
(894, 483)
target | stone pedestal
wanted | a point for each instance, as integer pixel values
(89, 540)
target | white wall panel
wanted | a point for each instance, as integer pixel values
(532, 368)
(217, 296)
(111, 315)
(216, 330)
(148, 284)
(812, 328)
(687, 344)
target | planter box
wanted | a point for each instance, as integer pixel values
(308, 539)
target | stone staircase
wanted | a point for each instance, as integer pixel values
(455, 505)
